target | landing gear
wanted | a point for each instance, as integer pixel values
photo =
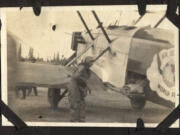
(135, 90)
(55, 96)
(138, 102)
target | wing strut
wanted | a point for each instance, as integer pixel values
(73, 60)
(138, 19)
(85, 25)
(91, 45)
(160, 21)
(101, 26)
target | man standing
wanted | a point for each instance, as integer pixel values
(32, 88)
(78, 90)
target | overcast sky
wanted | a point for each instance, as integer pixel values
(37, 32)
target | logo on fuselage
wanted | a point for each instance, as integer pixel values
(161, 74)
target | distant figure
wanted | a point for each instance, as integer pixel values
(30, 90)
(24, 89)
(78, 90)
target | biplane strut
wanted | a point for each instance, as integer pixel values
(101, 26)
(85, 25)
(92, 38)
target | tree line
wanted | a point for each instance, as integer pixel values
(56, 60)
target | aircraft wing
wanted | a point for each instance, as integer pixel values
(54, 76)
(42, 75)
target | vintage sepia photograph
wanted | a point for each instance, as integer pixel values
(89, 66)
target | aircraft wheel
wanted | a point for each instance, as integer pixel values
(138, 103)
(53, 97)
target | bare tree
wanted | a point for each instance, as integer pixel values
(20, 53)
(31, 55)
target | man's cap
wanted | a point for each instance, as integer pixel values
(88, 60)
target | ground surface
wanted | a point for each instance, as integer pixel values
(101, 107)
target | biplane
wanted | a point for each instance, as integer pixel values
(122, 56)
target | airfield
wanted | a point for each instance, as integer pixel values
(102, 107)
